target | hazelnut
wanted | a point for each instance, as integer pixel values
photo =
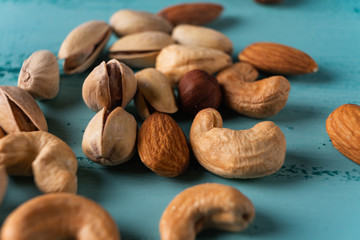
(198, 90)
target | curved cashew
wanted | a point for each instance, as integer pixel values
(256, 152)
(208, 205)
(51, 160)
(258, 99)
(59, 216)
(3, 182)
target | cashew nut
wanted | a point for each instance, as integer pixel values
(256, 152)
(3, 182)
(208, 205)
(48, 158)
(59, 216)
(258, 99)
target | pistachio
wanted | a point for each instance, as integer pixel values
(109, 85)
(39, 75)
(126, 22)
(176, 60)
(19, 111)
(83, 45)
(139, 50)
(2, 132)
(110, 137)
(197, 36)
(154, 93)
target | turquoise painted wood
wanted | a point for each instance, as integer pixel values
(315, 195)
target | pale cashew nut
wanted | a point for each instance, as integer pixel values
(3, 182)
(256, 152)
(59, 216)
(257, 99)
(48, 158)
(209, 205)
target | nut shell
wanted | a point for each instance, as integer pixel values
(198, 90)
(343, 127)
(126, 22)
(83, 45)
(109, 85)
(162, 145)
(154, 91)
(176, 60)
(19, 111)
(39, 75)
(110, 137)
(278, 59)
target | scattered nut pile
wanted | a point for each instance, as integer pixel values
(170, 50)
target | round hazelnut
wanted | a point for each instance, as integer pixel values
(198, 90)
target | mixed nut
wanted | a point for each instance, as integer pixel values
(187, 60)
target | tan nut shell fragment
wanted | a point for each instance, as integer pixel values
(154, 89)
(59, 216)
(84, 44)
(252, 153)
(19, 111)
(110, 138)
(39, 75)
(3, 182)
(209, 205)
(96, 90)
(48, 158)
(197, 36)
(126, 22)
(258, 99)
(176, 60)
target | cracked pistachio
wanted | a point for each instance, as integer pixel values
(110, 137)
(126, 22)
(154, 93)
(139, 50)
(19, 111)
(39, 75)
(109, 85)
(83, 45)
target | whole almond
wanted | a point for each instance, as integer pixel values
(192, 13)
(343, 127)
(162, 145)
(278, 59)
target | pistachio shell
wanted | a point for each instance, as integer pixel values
(19, 111)
(109, 85)
(154, 89)
(83, 45)
(39, 75)
(197, 36)
(109, 139)
(176, 60)
(137, 60)
(126, 22)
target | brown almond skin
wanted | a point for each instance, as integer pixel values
(278, 59)
(198, 90)
(343, 127)
(192, 13)
(162, 145)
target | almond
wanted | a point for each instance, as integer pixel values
(162, 145)
(343, 127)
(278, 59)
(192, 13)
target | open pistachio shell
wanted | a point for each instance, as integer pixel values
(126, 22)
(83, 45)
(39, 75)
(176, 60)
(110, 137)
(19, 111)
(154, 90)
(139, 50)
(109, 85)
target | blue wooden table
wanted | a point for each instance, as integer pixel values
(315, 195)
